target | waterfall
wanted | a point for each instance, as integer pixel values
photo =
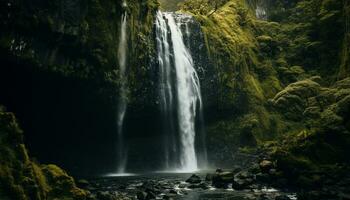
(122, 103)
(179, 91)
(166, 88)
(260, 7)
(260, 12)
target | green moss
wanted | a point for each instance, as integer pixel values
(21, 178)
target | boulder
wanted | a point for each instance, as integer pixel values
(244, 175)
(243, 180)
(209, 177)
(194, 179)
(241, 183)
(266, 165)
(221, 180)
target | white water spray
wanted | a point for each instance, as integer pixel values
(122, 104)
(186, 86)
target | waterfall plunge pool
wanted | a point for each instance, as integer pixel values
(170, 185)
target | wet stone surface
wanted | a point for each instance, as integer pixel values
(177, 186)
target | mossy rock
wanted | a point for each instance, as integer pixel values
(293, 100)
(23, 179)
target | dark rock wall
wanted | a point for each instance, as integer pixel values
(59, 75)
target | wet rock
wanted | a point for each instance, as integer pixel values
(83, 183)
(236, 169)
(194, 186)
(150, 187)
(273, 172)
(310, 195)
(221, 180)
(263, 197)
(255, 169)
(209, 177)
(240, 184)
(105, 195)
(203, 186)
(344, 196)
(169, 196)
(266, 165)
(244, 174)
(172, 192)
(141, 195)
(282, 197)
(194, 179)
(122, 187)
(263, 177)
(151, 195)
(280, 182)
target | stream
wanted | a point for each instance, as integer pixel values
(174, 186)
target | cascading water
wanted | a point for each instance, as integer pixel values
(122, 104)
(166, 89)
(260, 7)
(179, 91)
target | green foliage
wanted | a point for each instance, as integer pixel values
(23, 179)
(312, 33)
(170, 5)
(203, 7)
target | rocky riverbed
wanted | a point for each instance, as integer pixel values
(219, 185)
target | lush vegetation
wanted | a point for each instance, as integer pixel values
(282, 83)
(304, 126)
(23, 179)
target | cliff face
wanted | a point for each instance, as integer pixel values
(60, 74)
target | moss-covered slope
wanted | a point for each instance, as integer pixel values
(23, 179)
(244, 69)
(254, 59)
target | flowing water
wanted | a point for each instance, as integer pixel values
(180, 93)
(260, 7)
(122, 104)
(173, 186)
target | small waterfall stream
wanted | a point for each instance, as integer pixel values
(122, 103)
(179, 90)
(260, 7)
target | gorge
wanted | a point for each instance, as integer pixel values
(192, 99)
